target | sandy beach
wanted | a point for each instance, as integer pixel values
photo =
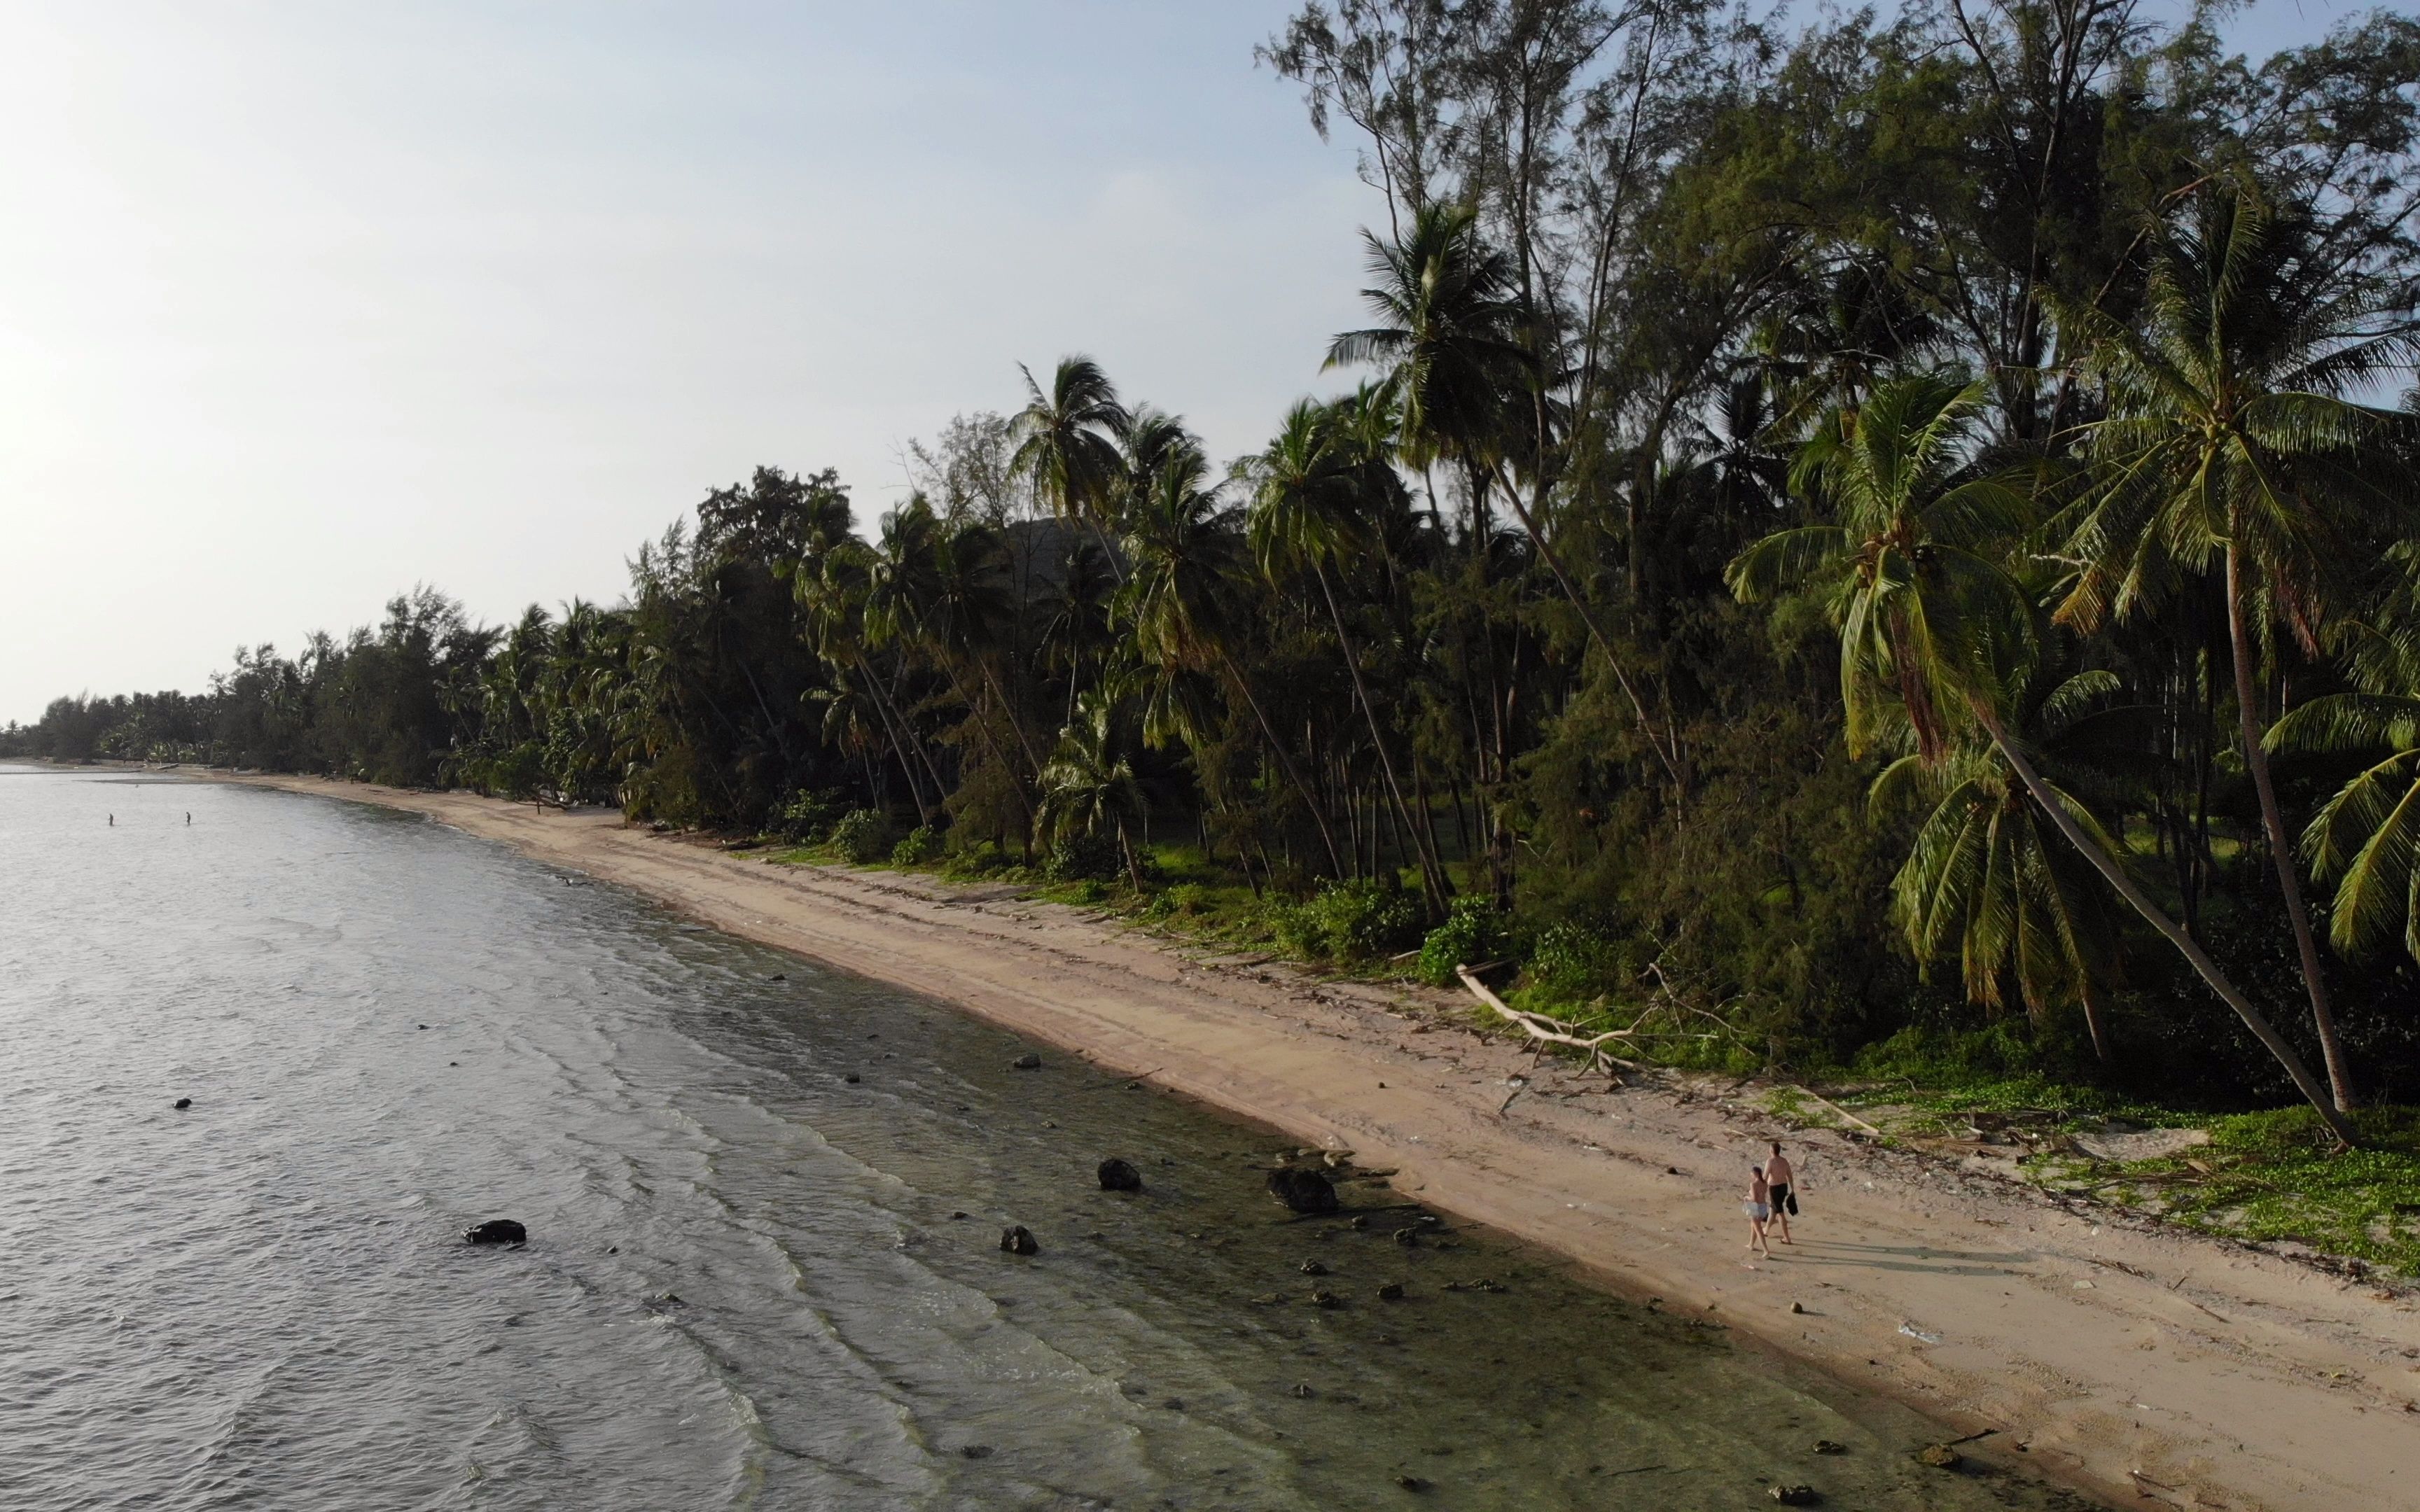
(2138, 1364)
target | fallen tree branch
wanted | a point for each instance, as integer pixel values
(1839, 1109)
(1537, 1026)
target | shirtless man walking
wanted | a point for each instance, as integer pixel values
(1779, 1179)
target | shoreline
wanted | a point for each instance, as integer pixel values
(2132, 1362)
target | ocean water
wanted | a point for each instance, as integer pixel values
(765, 1201)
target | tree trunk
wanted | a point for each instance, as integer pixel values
(1285, 763)
(1667, 755)
(2116, 875)
(1432, 880)
(2281, 851)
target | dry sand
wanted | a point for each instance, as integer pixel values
(2135, 1363)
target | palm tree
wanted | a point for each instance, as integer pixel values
(1177, 604)
(2228, 445)
(1449, 340)
(1088, 786)
(1925, 612)
(1982, 874)
(2366, 837)
(1306, 515)
(1068, 443)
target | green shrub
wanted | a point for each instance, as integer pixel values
(1083, 857)
(1473, 932)
(979, 860)
(922, 846)
(808, 818)
(1363, 920)
(1579, 962)
(864, 836)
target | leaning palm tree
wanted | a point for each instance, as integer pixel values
(1984, 876)
(1306, 516)
(1935, 631)
(1449, 340)
(2229, 447)
(1067, 445)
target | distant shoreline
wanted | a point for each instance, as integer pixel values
(2095, 1347)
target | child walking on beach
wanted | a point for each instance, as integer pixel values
(1759, 1209)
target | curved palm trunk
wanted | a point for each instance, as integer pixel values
(1285, 763)
(2281, 851)
(2116, 876)
(1658, 742)
(1433, 880)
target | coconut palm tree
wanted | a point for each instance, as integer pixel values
(1932, 623)
(1306, 515)
(2229, 447)
(1067, 445)
(1449, 340)
(2366, 837)
(1178, 605)
(1984, 875)
(1088, 787)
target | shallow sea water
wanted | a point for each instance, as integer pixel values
(751, 1282)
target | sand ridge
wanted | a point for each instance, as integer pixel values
(2144, 1365)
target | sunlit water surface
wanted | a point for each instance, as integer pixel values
(751, 1281)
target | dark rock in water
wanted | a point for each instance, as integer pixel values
(1408, 1237)
(424, 1026)
(1361, 1221)
(1027, 1061)
(1303, 1191)
(777, 977)
(1795, 1495)
(185, 1103)
(1302, 1390)
(1018, 1239)
(496, 1231)
(1391, 1291)
(957, 1215)
(1939, 1456)
(976, 1451)
(1328, 1300)
(1117, 1175)
(851, 1078)
(1411, 1482)
(1829, 1446)
(1314, 1267)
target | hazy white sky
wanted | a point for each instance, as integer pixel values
(301, 303)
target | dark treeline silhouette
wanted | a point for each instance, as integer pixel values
(1854, 537)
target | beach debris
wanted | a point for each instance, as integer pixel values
(1919, 1334)
(496, 1231)
(1027, 1061)
(1798, 1308)
(1391, 1291)
(1482, 1283)
(1119, 1175)
(1314, 1267)
(1303, 1192)
(1018, 1239)
(185, 1103)
(1795, 1495)
(1939, 1456)
(1830, 1446)
(1302, 1389)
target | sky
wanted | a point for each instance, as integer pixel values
(304, 303)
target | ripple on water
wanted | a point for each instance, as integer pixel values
(746, 1285)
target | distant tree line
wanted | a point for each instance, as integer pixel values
(1869, 530)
